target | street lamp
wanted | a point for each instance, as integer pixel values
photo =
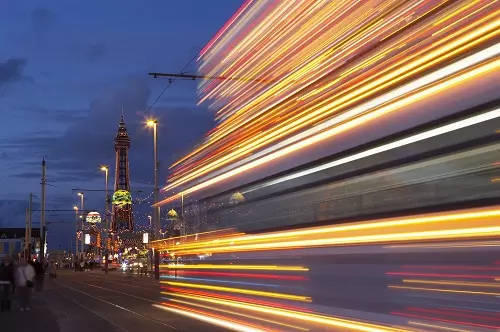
(156, 209)
(105, 169)
(76, 228)
(81, 217)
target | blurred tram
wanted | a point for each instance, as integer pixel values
(449, 163)
(402, 234)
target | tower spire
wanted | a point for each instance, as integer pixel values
(122, 217)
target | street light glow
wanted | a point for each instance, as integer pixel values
(151, 123)
(75, 208)
(80, 194)
(104, 168)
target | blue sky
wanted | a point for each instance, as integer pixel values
(67, 68)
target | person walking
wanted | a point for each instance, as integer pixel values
(24, 281)
(6, 283)
(40, 275)
(51, 270)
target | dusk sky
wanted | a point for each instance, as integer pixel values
(66, 70)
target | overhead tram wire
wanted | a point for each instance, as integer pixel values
(132, 130)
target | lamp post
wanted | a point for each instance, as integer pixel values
(81, 218)
(156, 209)
(151, 258)
(106, 235)
(76, 229)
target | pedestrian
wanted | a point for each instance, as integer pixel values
(40, 275)
(24, 281)
(6, 283)
(51, 270)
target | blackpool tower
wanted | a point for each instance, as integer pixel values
(122, 217)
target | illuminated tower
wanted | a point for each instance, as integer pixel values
(122, 217)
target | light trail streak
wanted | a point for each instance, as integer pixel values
(386, 147)
(393, 95)
(212, 320)
(239, 291)
(305, 142)
(452, 283)
(239, 314)
(446, 328)
(478, 223)
(237, 267)
(456, 291)
(289, 314)
(321, 60)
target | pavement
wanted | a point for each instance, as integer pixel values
(39, 315)
(94, 302)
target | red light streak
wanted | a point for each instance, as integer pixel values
(467, 276)
(436, 311)
(215, 316)
(238, 299)
(451, 267)
(244, 275)
(445, 320)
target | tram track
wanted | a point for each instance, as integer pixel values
(125, 306)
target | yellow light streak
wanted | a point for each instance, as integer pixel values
(473, 223)
(446, 328)
(482, 69)
(422, 61)
(211, 320)
(225, 310)
(238, 291)
(452, 283)
(290, 314)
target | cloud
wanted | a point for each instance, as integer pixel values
(42, 17)
(59, 115)
(96, 52)
(89, 142)
(12, 71)
(27, 175)
(13, 212)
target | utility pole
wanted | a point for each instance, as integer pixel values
(27, 239)
(156, 209)
(81, 222)
(107, 225)
(42, 214)
(183, 224)
(30, 223)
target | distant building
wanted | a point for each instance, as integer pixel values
(12, 241)
(59, 257)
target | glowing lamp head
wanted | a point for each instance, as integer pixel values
(121, 198)
(236, 198)
(75, 208)
(172, 214)
(151, 123)
(93, 217)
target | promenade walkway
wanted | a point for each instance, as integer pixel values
(94, 302)
(52, 312)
